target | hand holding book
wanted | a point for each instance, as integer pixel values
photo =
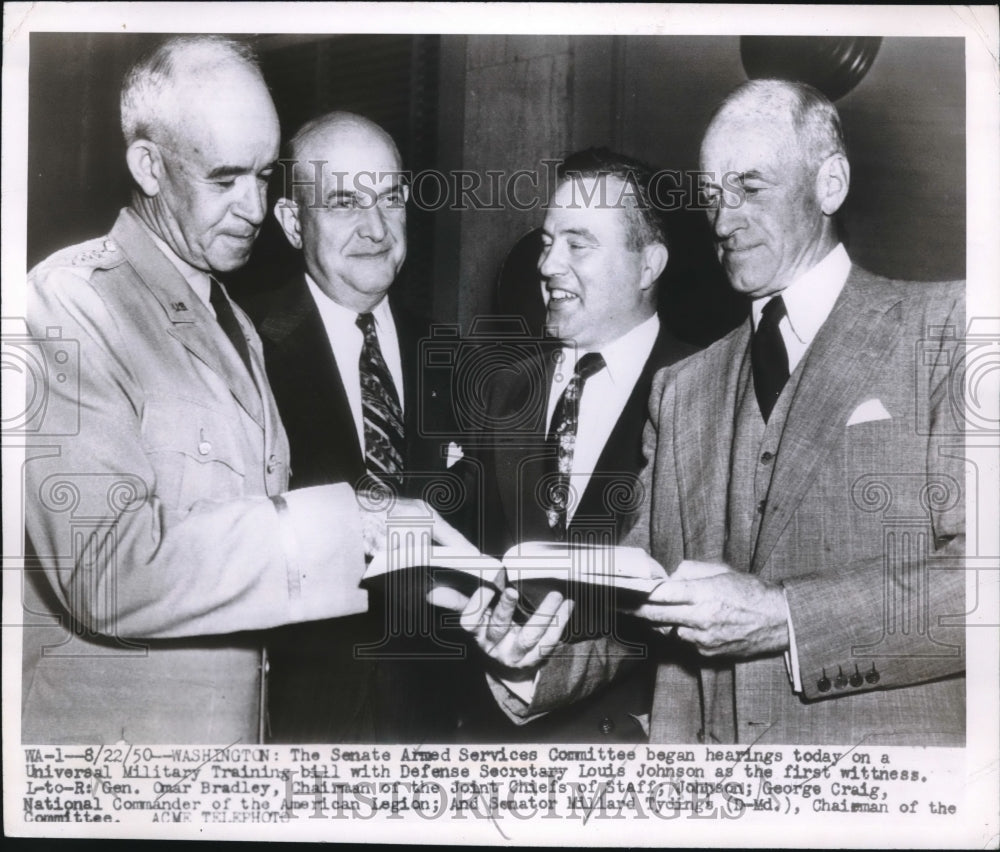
(515, 649)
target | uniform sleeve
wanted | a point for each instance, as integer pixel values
(123, 560)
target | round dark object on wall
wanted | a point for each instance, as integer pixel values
(833, 64)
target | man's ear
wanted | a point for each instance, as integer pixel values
(832, 183)
(286, 212)
(654, 261)
(145, 165)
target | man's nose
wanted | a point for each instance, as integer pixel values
(725, 219)
(552, 261)
(372, 225)
(252, 203)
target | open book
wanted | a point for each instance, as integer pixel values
(570, 569)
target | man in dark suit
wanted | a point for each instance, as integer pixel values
(604, 249)
(805, 473)
(343, 359)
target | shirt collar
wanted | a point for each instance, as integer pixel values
(623, 354)
(344, 316)
(810, 297)
(197, 279)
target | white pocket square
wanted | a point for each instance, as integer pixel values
(455, 454)
(869, 410)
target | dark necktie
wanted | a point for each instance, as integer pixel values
(229, 324)
(768, 357)
(562, 436)
(383, 415)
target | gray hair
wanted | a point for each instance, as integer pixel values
(813, 118)
(152, 75)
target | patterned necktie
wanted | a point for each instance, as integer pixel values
(562, 435)
(768, 357)
(382, 413)
(229, 324)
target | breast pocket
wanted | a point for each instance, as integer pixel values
(888, 483)
(194, 450)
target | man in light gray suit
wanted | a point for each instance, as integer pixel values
(804, 475)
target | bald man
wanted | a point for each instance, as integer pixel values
(160, 514)
(344, 360)
(805, 474)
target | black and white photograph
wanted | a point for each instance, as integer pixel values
(501, 423)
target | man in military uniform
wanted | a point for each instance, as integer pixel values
(162, 522)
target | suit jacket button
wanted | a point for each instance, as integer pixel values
(766, 457)
(840, 681)
(873, 676)
(204, 448)
(272, 464)
(856, 678)
(607, 725)
(823, 684)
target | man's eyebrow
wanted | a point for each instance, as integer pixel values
(341, 195)
(234, 171)
(351, 195)
(581, 232)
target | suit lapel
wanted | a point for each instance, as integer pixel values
(849, 348)
(703, 444)
(622, 453)
(408, 333)
(190, 321)
(515, 474)
(302, 349)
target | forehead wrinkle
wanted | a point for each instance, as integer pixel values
(192, 95)
(320, 139)
(728, 135)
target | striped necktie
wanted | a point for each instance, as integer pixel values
(382, 413)
(562, 436)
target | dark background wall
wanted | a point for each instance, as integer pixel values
(493, 102)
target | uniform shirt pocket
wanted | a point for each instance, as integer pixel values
(195, 452)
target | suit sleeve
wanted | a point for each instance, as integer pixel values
(896, 619)
(123, 561)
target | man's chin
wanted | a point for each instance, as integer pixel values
(230, 261)
(744, 280)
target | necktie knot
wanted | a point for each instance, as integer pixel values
(589, 364)
(774, 311)
(366, 322)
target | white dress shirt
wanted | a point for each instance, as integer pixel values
(346, 341)
(808, 302)
(603, 398)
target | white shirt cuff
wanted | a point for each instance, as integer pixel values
(320, 529)
(792, 654)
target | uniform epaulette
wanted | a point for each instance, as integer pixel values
(100, 253)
